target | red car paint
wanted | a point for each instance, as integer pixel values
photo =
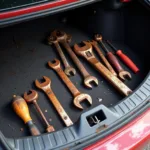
(130, 137)
(35, 8)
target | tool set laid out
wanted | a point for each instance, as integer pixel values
(110, 69)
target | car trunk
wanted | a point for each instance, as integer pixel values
(24, 54)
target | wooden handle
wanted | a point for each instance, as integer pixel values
(21, 108)
(114, 61)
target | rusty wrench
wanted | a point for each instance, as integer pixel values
(32, 97)
(113, 60)
(46, 87)
(68, 69)
(78, 97)
(96, 47)
(63, 38)
(87, 52)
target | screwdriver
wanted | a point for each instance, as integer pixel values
(124, 58)
(21, 108)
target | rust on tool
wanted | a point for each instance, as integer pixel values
(68, 69)
(64, 39)
(78, 96)
(105, 61)
(113, 60)
(46, 87)
(32, 97)
(21, 109)
(87, 52)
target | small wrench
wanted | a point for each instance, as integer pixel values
(63, 38)
(32, 97)
(87, 52)
(113, 60)
(68, 69)
(78, 97)
(95, 45)
(46, 87)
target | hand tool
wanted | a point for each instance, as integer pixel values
(63, 38)
(78, 96)
(32, 97)
(113, 60)
(124, 58)
(96, 47)
(46, 87)
(21, 108)
(87, 52)
(68, 69)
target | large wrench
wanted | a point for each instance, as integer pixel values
(63, 38)
(78, 97)
(68, 69)
(87, 52)
(46, 87)
(105, 61)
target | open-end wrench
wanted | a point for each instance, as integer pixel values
(63, 38)
(96, 47)
(32, 97)
(78, 97)
(68, 69)
(113, 60)
(46, 87)
(87, 52)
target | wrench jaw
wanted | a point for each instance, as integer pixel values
(124, 74)
(80, 98)
(98, 37)
(52, 40)
(54, 64)
(61, 35)
(90, 79)
(43, 85)
(31, 96)
(70, 71)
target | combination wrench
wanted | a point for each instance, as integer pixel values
(46, 87)
(78, 96)
(63, 38)
(68, 69)
(87, 52)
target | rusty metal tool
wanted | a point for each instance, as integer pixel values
(87, 52)
(46, 87)
(113, 60)
(78, 96)
(105, 61)
(63, 38)
(21, 108)
(124, 58)
(68, 69)
(32, 97)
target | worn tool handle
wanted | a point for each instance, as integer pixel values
(63, 58)
(32, 128)
(59, 107)
(114, 61)
(75, 59)
(104, 59)
(67, 82)
(21, 108)
(127, 61)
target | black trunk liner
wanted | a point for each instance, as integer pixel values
(23, 57)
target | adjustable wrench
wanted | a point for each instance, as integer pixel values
(68, 69)
(63, 38)
(46, 87)
(113, 60)
(78, 97)
(95, 45)
(87, 52)
(32, 98)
